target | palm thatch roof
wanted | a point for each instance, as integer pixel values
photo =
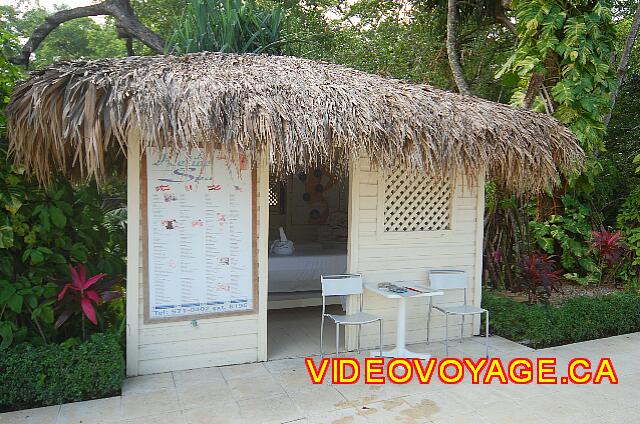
(78, 117)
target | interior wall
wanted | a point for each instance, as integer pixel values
(168, 346)
(302, 199)
(381, 256)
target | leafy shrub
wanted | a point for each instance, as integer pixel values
(48, 375)
(613, 255)
(576, 320)
(629, 222)
(568, 236)
(541, 275)
(9, 73)
(608, 245)
(565, 33)
(41, 230)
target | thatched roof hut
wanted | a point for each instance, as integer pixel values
(78, 116)
(198, 252)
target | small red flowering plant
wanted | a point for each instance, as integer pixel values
(542, 276)
(611, 251)
(84, 294)
(609, 245)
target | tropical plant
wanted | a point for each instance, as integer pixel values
(562, 63)
(629, 222)
(608, 245)
(237, 26)
(41, 229)
(623, 145)
(25, 305)
(84, 294)
(542, 276)
(568, 235)
(562, 66)
(623, 135)
(612, 253)
(9, 73)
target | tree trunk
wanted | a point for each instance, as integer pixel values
(624, 61)
(121, 10)
(533, 89)
(452, 50)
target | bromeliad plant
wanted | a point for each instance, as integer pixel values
(542, 276)
(84, 294)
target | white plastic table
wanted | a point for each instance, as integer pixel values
(401, 351)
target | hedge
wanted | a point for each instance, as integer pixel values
(35, 376)
(575, 320)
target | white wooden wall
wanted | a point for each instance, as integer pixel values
(379, 256)
(384, 256)
(167, 346)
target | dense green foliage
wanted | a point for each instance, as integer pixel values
(569, 233)
(567, 46)
(161, 16)
(41, 231)
(57, 373)
(623, 143)
(629, 223)
(570, 43)
(403, 40)
(9, 73)
(576, 320)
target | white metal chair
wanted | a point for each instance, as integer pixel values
(449, 280)
(345, 285)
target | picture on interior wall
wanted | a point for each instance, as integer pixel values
(314, 192)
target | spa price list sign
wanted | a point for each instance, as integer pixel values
(199, 227)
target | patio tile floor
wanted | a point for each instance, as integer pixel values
(280, 392)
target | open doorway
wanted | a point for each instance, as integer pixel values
(308, 235)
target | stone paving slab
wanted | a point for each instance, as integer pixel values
(280, 392)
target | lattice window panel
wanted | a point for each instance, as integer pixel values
(414, 203)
